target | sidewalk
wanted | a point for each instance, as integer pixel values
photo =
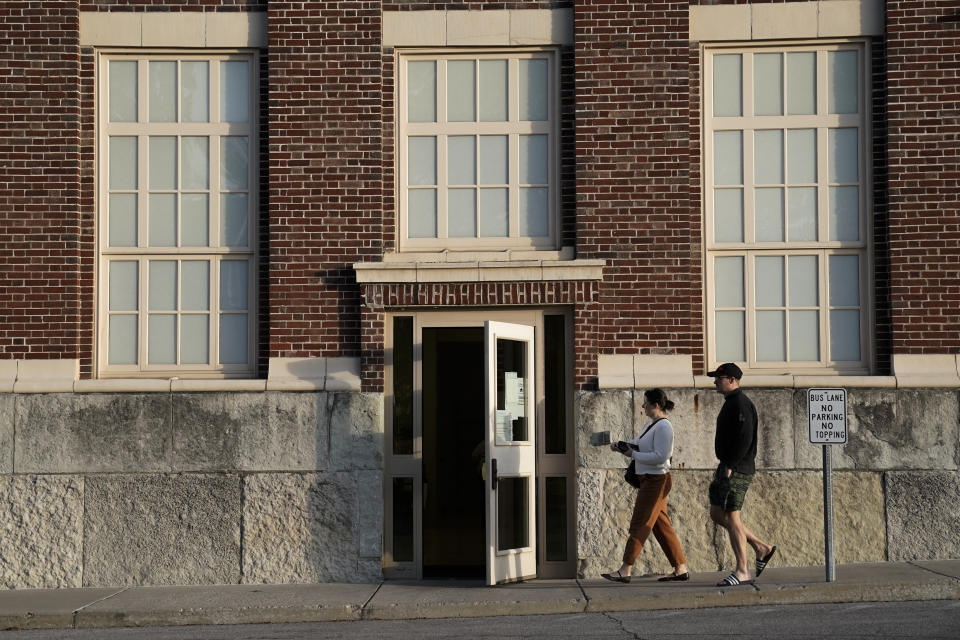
(233, 604)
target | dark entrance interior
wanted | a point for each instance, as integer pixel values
(454, 542)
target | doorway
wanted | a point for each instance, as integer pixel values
(451, 509)
(453, 452)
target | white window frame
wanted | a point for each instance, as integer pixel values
(513, 128)
(214, 254)
(823, 247)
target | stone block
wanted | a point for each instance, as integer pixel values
(293, 437)
(208, 429)
(602, 411)
(775, 441)
(590, 510)
(162, 529)
(889, 429)
(692, 429)
(370, 512)
(784, 508)
(72, 433)
(7, 413)
(923, 515)
(302, 528)
(356, 430)
(41, 531)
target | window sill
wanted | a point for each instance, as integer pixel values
(479, 266)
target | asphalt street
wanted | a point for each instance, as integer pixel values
(930, 620)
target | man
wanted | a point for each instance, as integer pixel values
(736, 448)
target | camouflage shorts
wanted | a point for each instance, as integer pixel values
(728, 493)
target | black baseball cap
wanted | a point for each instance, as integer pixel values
(727, 369)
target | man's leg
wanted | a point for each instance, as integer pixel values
(738, 542)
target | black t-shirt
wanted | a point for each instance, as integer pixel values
(736, 439)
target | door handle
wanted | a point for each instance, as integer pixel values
(493, 474)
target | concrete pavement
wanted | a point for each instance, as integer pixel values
(236, 604)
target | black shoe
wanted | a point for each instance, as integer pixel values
(616, 577)
(680, 577)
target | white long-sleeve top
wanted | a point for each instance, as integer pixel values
(655, 448)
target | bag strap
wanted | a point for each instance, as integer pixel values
(649, 426)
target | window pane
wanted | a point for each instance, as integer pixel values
(768, 157)
(402, 385)
(163, 162)
(195, 162)
(768, 215)
(802, 213)
(533, 160)
(730, 336)
(422, 160)
(234, 91)
(194, 220)
(512, 513)
(555, 383)
(163, 91)
(123, 162)
(767, 84)
(534, 212)
(728, 281)
(194, 91)
(727, 85)
(494, 207)
(123, 286)
(802, 156)
(844, 281)
(422, 91)
(493, 160)
(804, 335)
(234, 215)
(233, 338)
(842, 96)
(461, 160)
(163, 220)
(422, 213)
(555, 509)
(728, 215)
(123, 339)
(844, 213)
(462, 213)
(403, 519)
(533, 89)
(234, 163)
(123, 219)
(194, 339)
(493, 90)
(233, 285)
(461, 91)
(769, 285)
(804, 281)
(844, 334)
(728, 157)
(843, 155)
(163, 285)
(802, 83)
(195, 285)
(771, 336)
(123, 91)
(161, 346)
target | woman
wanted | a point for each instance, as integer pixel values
(651, 455)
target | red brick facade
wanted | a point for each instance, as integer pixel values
(630, 180)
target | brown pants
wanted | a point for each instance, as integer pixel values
(650, 514)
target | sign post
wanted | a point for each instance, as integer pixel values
(827, 417)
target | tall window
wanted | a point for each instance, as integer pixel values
(177, 209)
(786, 157)
(478, 151)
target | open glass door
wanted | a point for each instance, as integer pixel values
(510, 452)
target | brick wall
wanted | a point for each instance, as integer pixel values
(633, 174)
(173, 5)
(923, 123)
(41, 234)
(326, 143)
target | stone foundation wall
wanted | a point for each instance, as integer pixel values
(181, 488)
(896, 481)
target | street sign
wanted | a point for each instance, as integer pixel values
(827, 411)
